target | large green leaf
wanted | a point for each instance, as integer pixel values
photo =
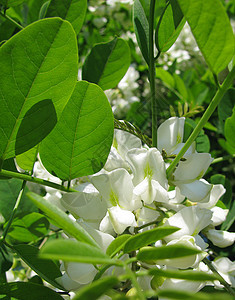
(62, 220)
(97, 288)
(40, 62)
(212, 30)
(73, 11)
(148, 237)
(150, 254)
(28, 291)
(117, 244)
(107, 63)
(38, 121)
(6, 259)
(186, 275)
(47, 269)
(84, 134)
(69, 250)
(9, 191)
(141, 27)
(229, 129)
(169, 26)
(28, 228)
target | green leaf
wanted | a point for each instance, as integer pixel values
(9, 191)
(73, 11)
(166, 77)
(211, 28)
(84, 133)
(169, 26)
(176, 294)
(47, 269)
(69, 250)
(117, 244)
(229, 129)
(39, 62)
(181, 274)
(180, 86)
(148, 237)
(141, 27)
(150, 254)
(25, 291)
(107, 63)
(27, 159)
(28, 228)
(36, 124)
(61, 219)
(96, 288)
(43, 10)
(11, 3)
(6, 259)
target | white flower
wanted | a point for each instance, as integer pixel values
(219, 215)
(226, 268)
(220, 238)
(190, 219)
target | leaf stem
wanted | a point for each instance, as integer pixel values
(12, 21)
(135, 283)
(44, 182)
(13, 212)
(152, 74)
(221, 279)
(210, 109)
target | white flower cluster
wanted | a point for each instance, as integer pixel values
(132, 190)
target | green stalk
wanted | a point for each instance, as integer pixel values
(221, 279)
(135, 283)
(25, 177)
(152, 74)
(13, 213)
(12, 21)
(210, 109)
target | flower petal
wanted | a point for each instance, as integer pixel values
(196, 191)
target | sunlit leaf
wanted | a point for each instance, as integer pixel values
(61, 219)
(148, 237)
(84, 134)
(69, 250)
(39, 62)
(107, 63)
(211, 28)
(150, 254)
(169, 26)
(117, 244)
(73, 11)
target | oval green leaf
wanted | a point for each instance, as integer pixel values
(117, 244)
(150, 254)
(69, 250)
(229, 129)
(47, 269)
(96, 288)
(141, 27)
(40, 62)
(148, 237)
(169, 26)
(62, 219)
(107, 63)
(25, 291)
(84, 135)
(27, 159)
(73, 11)
(181, 274)
(212, 30)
